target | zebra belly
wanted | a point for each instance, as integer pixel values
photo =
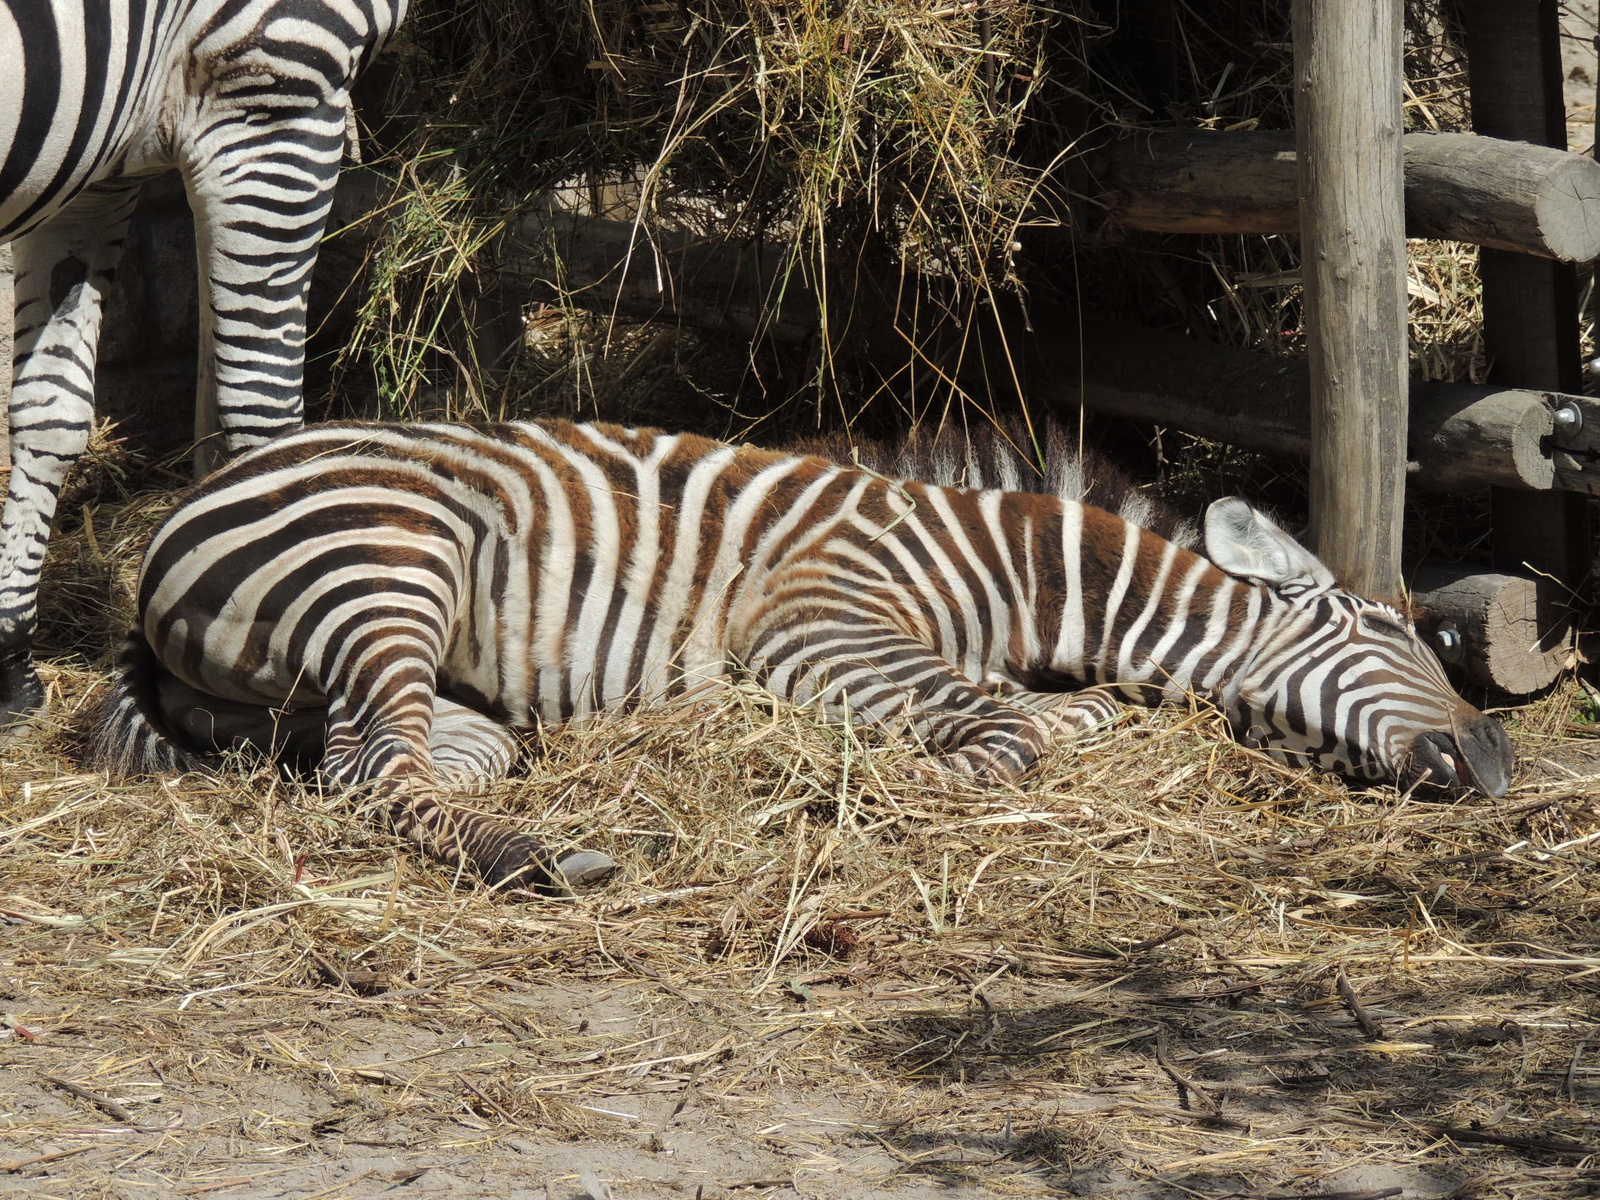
(565, 675)
(86, 136)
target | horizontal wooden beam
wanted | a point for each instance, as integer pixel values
(1488, 191)
(1461, 436)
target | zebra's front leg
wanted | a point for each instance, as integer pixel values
(1068, 714)
(259, 219)
(385, 749)
(881, 677)
(63, 271)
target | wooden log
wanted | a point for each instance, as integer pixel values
(1488, 191)
(1504, 194)
(1461, 436)
(1353, 268)
(1510, 632)
(1203, 181)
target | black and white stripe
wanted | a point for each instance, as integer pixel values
(249, 99)
(360, 575)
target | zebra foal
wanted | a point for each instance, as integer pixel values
(404, 595)
(249, 100)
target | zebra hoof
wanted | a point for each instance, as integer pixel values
(585, 870)
(21, 698)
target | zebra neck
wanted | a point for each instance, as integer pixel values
(1145, 613)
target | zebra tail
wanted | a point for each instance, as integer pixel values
(131, 736)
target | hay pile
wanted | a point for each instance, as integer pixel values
(924, 160)
(1165, 965)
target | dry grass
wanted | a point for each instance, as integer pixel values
(829, 970)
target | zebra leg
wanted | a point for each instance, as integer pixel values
(1069, 714)
(470, 751)
(382, 745)
(881, 677)
(63, 271)
(259, 216)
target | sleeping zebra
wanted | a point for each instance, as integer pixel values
(393, 600)
(249, 100)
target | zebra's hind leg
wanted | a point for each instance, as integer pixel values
(63, 271)
(466, 751)
(470, 750)
(383, 747)
(259, 218)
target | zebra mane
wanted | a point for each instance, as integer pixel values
(1013, 456)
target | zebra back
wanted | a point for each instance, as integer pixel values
(1012, 454)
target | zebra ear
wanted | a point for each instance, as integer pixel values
(1247, 545)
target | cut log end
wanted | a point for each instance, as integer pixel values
(1567, 209)
(1472, 437)
(1510, 632)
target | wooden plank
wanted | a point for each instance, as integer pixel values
(1488, 191)
(1348, 123)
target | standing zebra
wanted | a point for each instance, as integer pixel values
(249, 100)
(399, 595)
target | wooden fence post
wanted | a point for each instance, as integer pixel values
(1530, 306)
(1348, 121)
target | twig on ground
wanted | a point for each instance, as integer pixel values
(1370, 1027)
(1185, 1084)
(105, 1103)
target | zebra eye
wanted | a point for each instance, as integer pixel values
(1383, 625)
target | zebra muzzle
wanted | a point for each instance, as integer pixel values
(1475, 756)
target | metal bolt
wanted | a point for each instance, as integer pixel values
(1568, 417)
(1447, 642)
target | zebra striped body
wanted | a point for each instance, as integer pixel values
(538, 572)
(249, 99)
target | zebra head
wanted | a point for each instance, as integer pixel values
(1342, 682)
